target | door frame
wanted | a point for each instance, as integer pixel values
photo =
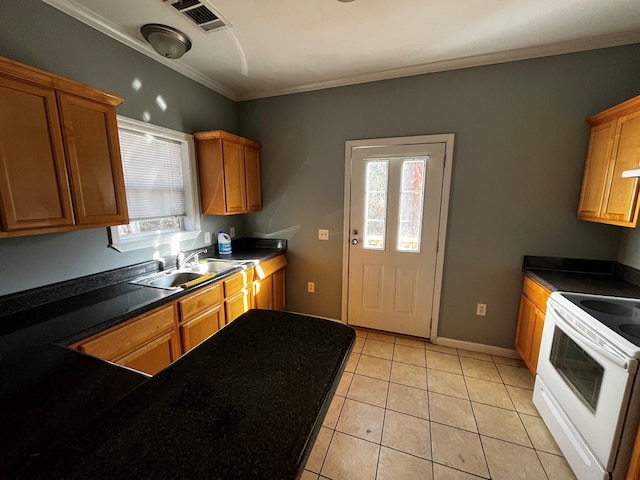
(351, 145)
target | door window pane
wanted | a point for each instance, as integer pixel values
(411, 203)
(375, 211)
(577, 368)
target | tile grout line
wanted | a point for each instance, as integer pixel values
(465, 377)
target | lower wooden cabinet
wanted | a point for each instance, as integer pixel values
(201, 315)
(533, 305)
(279, 290)
(634, 466)
(238, 293)
(269, 285)
(152, 341)
(147, 343)
(197, 329)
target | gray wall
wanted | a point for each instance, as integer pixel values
(629, 253)
(36, 34)
(519, 155)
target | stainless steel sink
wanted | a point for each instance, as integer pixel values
(172, 279)
(214, 265)
(169, 280)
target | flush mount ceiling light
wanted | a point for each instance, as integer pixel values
(167, 41)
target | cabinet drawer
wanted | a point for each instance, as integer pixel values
(237, 282)
(536, 293)
(199, 301)
(269, 267)
(118, 342)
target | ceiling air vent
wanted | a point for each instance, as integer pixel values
(202, 15)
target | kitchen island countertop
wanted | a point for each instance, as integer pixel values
(246, 403)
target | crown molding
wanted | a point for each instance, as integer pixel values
(561, 48)
(89, 18)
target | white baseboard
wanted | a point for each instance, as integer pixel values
(317, 316)
(477, 347)
(449, 342)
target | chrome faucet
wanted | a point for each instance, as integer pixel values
(182, 261)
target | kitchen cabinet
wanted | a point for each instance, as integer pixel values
(147, 343)
(229, 173)
(634, 466)
(238, 293)
(269, 286)
(201, 315)
(59, 153)
(533, 305)
(614, 146)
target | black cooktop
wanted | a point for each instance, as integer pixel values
(620, 314)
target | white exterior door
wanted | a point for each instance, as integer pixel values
(394, 227)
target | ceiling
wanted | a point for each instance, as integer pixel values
(279, 47)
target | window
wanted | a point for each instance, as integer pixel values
(160, 180)
(411, 203)
(376, 204)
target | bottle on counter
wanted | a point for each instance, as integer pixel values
(224, 243)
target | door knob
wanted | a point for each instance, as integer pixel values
(354, 241)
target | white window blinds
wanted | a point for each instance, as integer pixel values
(153, 175)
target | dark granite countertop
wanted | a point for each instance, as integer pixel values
(47, 392)
(67, 318)
(583, 276)
(246, 403)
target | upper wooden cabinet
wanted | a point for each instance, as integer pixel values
(229, 172)
(59, 154)
(614, 146)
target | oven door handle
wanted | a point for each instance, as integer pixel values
(603, 349)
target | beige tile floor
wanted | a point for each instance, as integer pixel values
(406, 409)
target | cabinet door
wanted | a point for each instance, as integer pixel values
(34, 190)
(234, 177)
(252, 172)
(536, 340)
(595, 171)
(153, 356)
(95, 165)
(525, 329)
(134, 335)
(238, 304)
(199, 328)
(621, 205)
(264, 293)
(279, 290)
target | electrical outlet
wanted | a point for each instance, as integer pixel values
(311, 287)
(323, 234)
(481, 310)
(207, 238)
(232, 232)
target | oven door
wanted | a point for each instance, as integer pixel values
(589, 379)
